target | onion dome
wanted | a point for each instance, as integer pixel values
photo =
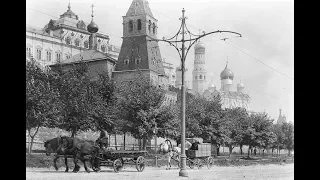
(199, 45)
(240, 85)
(212, 86)
(226, 73)
(92, 27)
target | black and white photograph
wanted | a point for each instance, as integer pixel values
(159, 89)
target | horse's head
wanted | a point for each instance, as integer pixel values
(164, 148)
(48, 148)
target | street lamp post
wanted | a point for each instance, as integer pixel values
(183, 172)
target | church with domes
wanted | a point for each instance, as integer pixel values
(229, 98)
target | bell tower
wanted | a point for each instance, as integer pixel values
(137, 52)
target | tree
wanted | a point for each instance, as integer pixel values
(258, 133)
(42, 100)
(169, 123)
(103, 109)
(236, 126)
(204, 119)
(280, 138)
(141, 103)
(288, 132)
(263, 129)
(79, 97)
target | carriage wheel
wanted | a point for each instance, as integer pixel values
(140, 164)
(95, 169)
(117, 165)
(178, 160)
(198, 163)
(190, 163)
(209, 162)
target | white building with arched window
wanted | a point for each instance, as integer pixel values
(63, 38)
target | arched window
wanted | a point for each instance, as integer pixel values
(200, 77)
(103, 48)
(149, 26)
(48, 55)
(86, 44)
(58, 56)
(68, 56)
(154, 28)
(68, 40)
(139, 24)
(77, 42)
(126, 60)
(130, 26)
(38, 53)
(138, 60)
(28, 52)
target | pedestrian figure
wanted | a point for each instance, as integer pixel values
(255, 151)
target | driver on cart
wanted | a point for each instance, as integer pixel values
(102, 141)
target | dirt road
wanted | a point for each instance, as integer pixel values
(265, 172)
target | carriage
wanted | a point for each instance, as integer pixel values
(200, 156)
(117, 158)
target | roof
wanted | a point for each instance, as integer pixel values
(37, 30)
(139, 7)
(75, 23)
(86, 56)
(234, 94)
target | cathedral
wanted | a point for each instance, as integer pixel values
(63, 38)
(229, 98)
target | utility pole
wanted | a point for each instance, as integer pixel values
(184, 51)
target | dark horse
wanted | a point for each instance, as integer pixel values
(51, 146)
(78, 149)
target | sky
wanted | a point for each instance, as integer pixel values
(262, 58)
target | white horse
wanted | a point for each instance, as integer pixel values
(172, 152)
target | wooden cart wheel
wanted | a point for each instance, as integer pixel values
(140, 164)
(117, 165)
(209, 162)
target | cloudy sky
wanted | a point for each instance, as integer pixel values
(262, 58)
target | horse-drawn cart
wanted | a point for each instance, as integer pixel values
(118, 158)
(200, 156)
